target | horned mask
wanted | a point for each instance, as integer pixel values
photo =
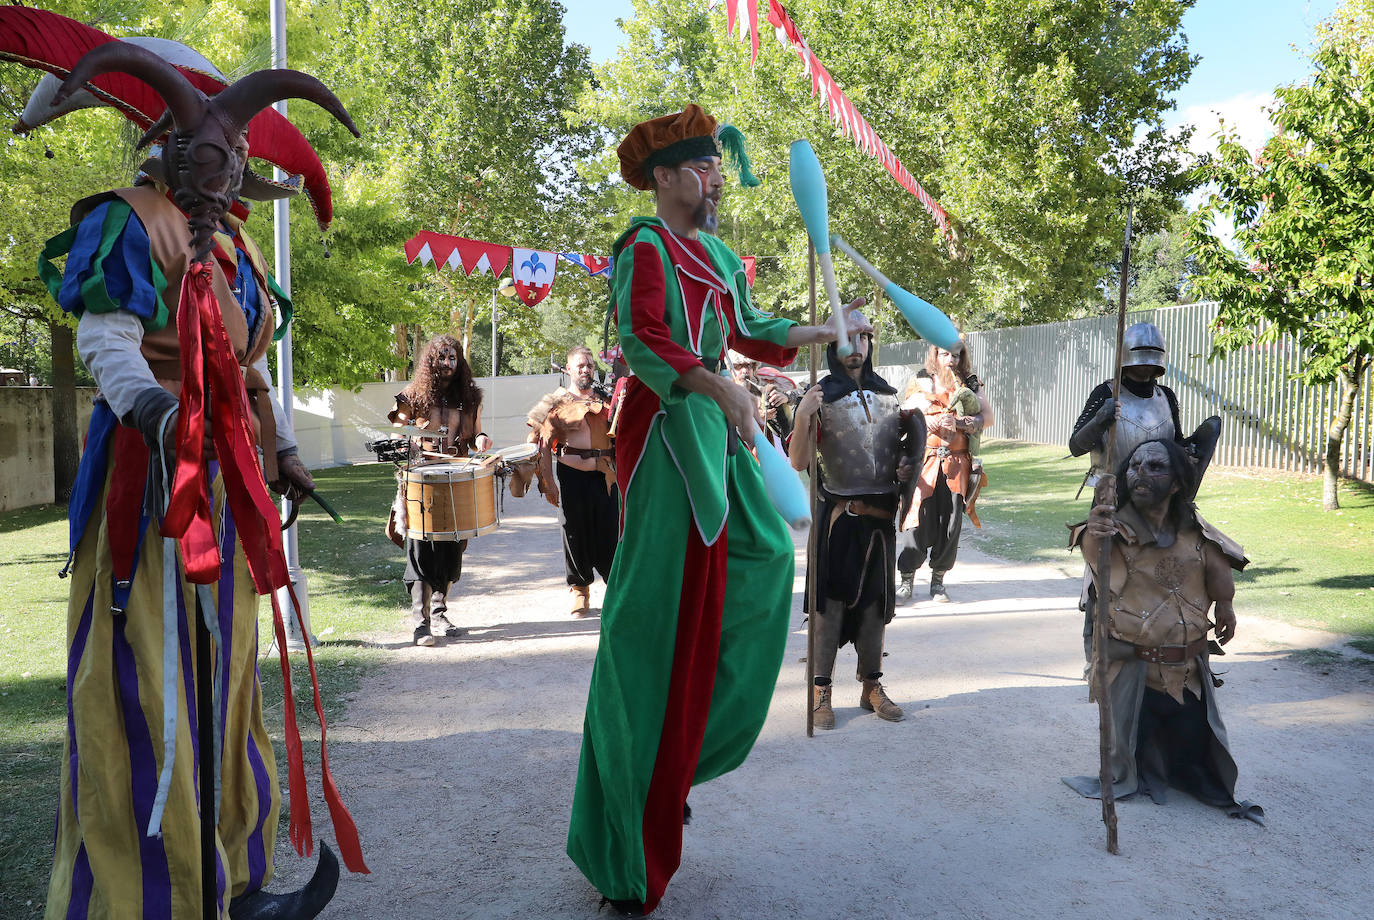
(207, 151)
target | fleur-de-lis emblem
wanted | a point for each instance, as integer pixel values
(534, 265)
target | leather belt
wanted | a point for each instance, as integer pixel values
(856, 507)
(1171, 654)
(586, 453)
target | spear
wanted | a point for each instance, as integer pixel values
(1103, 579)
(811, 539)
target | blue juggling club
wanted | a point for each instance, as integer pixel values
(781, 482)
(929, 323)
(808, 190)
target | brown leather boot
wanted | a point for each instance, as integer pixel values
(875, 700)
(582, 600)
(822, 715)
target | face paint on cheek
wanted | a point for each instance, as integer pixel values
(701, 184)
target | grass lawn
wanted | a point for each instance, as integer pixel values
(1307, 567)
(354, 576)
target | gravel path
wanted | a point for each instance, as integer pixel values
(459, 761)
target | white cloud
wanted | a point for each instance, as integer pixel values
(1245, 114)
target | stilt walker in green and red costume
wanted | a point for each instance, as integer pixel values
(697, 605)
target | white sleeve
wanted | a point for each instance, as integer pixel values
(286, 437)
(110, 345)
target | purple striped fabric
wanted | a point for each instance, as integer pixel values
(79, 896)
(188, 687)
(83, 631)
(225, 613)
(257, 849)
(143, 773)
(79, 901)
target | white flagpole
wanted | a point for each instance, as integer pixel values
(281, 220)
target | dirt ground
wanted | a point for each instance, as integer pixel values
(458, 763)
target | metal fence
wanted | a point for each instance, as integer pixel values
(1038, 378)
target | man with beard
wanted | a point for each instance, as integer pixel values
(950, 397)
(573, 425)
(443, 399)
(1145, 409)
(1169, 568)
(696, 612)
(865, 444)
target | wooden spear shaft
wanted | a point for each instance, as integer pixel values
(812, 536)
(1102, 613)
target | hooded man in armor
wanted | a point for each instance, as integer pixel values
(866, 446)
(1169, 570)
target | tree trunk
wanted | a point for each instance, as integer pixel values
(1335, 435)
(402, 352)
(66, 451)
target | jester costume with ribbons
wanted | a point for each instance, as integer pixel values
(175, 344)
(696, 610)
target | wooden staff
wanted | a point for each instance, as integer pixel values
(812, 537)
(1103, 580)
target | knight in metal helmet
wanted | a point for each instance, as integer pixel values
(1145, 410)
(866, 448)
(175, 311)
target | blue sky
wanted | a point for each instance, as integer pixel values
(1245, 47)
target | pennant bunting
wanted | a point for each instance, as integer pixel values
(596, 266)
(533, 271)
(457, 253)
(749, 263)
(482, 257)
(742, 15)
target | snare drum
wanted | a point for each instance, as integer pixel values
(451, 501)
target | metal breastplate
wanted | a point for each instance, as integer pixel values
(859, 450)
(1141, 420)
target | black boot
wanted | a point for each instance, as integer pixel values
(293, 905)
(937, 587)
(625, 908)
(420, 593)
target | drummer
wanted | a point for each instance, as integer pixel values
(571, 425)
(441, 398)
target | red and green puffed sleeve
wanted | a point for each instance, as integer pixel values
(640, 288)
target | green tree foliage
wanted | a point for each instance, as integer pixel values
(1020, 117)
(1303, 209)
(1161, 271)
(461, 104)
